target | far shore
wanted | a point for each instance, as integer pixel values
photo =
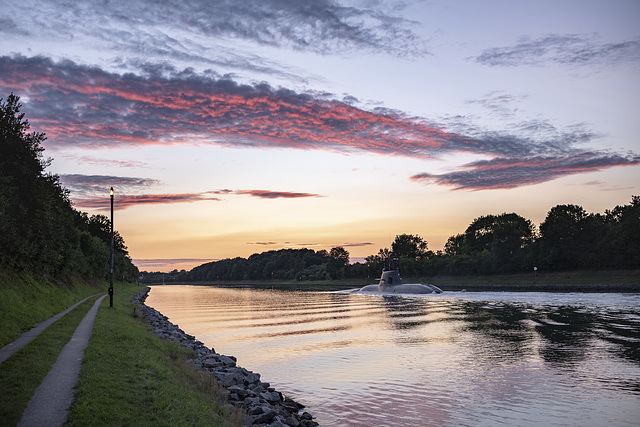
(557, 281)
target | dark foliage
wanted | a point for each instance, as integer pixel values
(569, 238)
(40, 231)
(284, 264)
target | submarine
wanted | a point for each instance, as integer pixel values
(391, 282)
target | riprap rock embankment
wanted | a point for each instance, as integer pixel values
(264, 405)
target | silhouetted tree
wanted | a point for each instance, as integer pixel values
(409, 246)
(622, 249)
(338, 261)
(454, 245)
(503, 237)
(561, 236)
(40, 232)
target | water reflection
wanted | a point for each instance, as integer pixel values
(457, 359)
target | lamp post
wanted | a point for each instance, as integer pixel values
(111, 275)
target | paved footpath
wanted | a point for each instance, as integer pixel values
(49, 405)
(27, 337)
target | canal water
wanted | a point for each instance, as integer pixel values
(455, 359)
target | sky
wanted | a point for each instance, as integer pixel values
(228, 128)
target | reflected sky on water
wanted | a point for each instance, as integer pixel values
(482, 358)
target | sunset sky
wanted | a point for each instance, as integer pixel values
(233, 127)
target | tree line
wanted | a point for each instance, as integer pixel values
(40, 231)
(568, 238)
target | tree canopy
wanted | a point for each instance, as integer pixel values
(40, 231)
(569, 238)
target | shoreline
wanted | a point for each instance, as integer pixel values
(469, 287)
(544, 281)
(264, 405)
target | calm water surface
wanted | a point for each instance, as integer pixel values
(458, 359)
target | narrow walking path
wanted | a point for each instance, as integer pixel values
(50, 403)
(24, 339)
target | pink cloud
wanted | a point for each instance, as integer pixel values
(266, 194)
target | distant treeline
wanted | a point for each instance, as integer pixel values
(40, 231)
(568, 238)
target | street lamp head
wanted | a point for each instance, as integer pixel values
(111, 191)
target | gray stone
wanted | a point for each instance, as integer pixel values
(229, 379)
(252, 378)
(264, 417)
(292, 422)
(278, 422)
(256, 410)
(271, 396)
(263, 403)
(226, 360)
(239, 390)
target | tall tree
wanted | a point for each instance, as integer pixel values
(338, 261)
(32, 204)
(409, 246)
(40, 232)
(562, 234)
(623, 237)
(503, 236)
(454, 245)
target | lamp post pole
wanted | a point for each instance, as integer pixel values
(111, 275)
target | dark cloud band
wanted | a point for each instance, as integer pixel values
(503, 173)
(567, 49)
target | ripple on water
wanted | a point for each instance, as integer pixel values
(470, 359)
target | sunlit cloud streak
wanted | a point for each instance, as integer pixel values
(90, 160)
(565, 49)
(125, 201)
(309, 244)
(353, 245)
(265, 194)
(92, 192)
(88, 107)
(500, 173)
(94, 181)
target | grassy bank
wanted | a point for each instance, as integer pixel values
(131, 377)
(128, 377)
(25, 301)
(23, 372)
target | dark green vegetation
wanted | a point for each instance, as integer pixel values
(23, 372)
(568, 239)
(52, 256)
(25, 301)
(41, 234)
(131, 377)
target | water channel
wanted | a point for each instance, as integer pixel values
(455, 359)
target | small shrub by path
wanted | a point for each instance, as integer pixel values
(131, 377)
(23, 372)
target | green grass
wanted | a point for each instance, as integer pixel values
(132, 378)
(23, 372)
(25, 301)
